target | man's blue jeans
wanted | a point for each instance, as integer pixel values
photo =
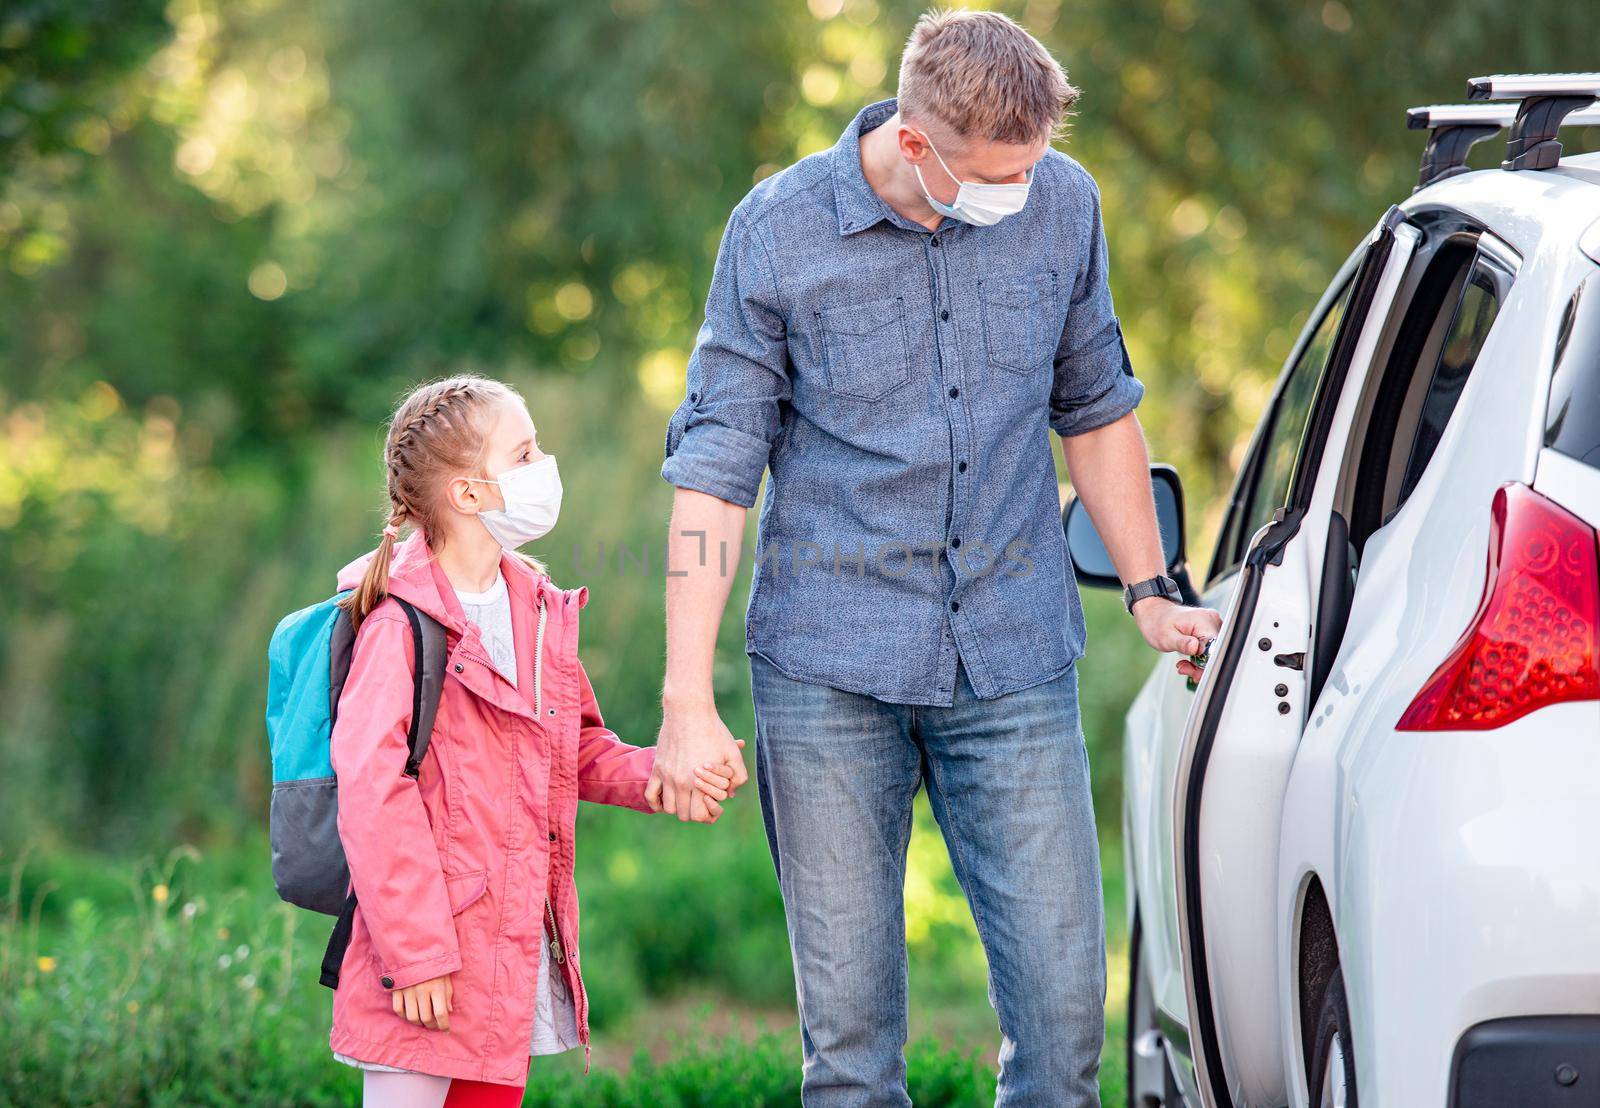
(1008, 781)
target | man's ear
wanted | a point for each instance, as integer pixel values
(913, 147)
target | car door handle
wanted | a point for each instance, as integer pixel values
(1290, 661)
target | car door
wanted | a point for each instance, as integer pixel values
(1241, 731)
(1156, 720)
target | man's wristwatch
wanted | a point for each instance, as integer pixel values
(1159, 585)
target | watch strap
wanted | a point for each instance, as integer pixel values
(1159, 585)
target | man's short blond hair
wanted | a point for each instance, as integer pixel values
(983, 75)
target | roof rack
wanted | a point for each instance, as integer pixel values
(1457, 128)
(1544, 100)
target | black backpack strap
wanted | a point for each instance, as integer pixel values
(428, 651)
(333, 957)
(427, 639)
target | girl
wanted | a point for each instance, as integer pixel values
(463, 959)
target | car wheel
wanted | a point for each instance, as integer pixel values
(1150, 1081)
(1333, 1059)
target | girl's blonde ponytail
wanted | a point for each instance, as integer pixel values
(375, 582)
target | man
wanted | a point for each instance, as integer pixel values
(894, 326)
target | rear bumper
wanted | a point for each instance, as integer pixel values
(1529, 1061)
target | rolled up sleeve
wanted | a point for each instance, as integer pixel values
(720, 437)
(1094, 383)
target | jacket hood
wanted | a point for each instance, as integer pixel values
(415, 576)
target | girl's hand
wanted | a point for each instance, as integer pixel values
(714, 780)
(427, 1002)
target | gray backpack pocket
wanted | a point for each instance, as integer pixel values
(308, 864)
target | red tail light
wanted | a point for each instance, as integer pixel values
(1533, 640)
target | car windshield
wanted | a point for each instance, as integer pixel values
(1573, 426)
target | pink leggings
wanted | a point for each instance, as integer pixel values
(421, 1090)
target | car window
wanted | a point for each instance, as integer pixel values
(1452, 308)
(1474, 314)
(1269, 488)
(1574, 418)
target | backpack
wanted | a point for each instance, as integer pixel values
(308, 660)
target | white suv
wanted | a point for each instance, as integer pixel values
(1364, 854)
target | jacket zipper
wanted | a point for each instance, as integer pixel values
(538, 664)
(558, 949)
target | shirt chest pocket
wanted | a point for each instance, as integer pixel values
(1020, 324)
(865, 351)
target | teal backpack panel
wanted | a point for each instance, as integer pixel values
(299, 692)
(308, 660)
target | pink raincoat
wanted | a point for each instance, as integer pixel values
(451, 870)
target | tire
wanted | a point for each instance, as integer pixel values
(1142, 1026)
(1333, 1059)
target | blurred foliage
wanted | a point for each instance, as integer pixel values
(232, 233)
(61, 64)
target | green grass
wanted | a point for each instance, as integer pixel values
(185, 982)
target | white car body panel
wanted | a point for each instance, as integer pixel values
(1461, 868)
(1241, 811)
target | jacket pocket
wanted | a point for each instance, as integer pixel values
(865, 348)
(464, 888)
(1020, 326)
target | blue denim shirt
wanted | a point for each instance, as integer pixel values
(900, 386)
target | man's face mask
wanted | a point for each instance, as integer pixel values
(976, 203)
(532, 495)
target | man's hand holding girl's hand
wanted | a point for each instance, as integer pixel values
(427, 1002)
(1177, 628)
(692, 739)
(713, 782)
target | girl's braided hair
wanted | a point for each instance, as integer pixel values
(439, 431)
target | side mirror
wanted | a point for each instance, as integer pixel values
(1092, 564)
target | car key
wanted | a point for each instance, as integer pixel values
(1200, 660)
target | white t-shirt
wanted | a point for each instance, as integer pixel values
(491, 611)
(555, 1017)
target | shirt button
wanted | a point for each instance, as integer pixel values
(955, 542)
(460, 668)
(386, 982)
(945, 315)
(955, 605)
(961, 467)
(954, 392)
(552, 836)
(694, 398)
(934, 241)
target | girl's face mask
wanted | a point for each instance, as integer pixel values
(532, 495)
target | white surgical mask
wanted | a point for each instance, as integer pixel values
(975, 203)
(533, 501)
